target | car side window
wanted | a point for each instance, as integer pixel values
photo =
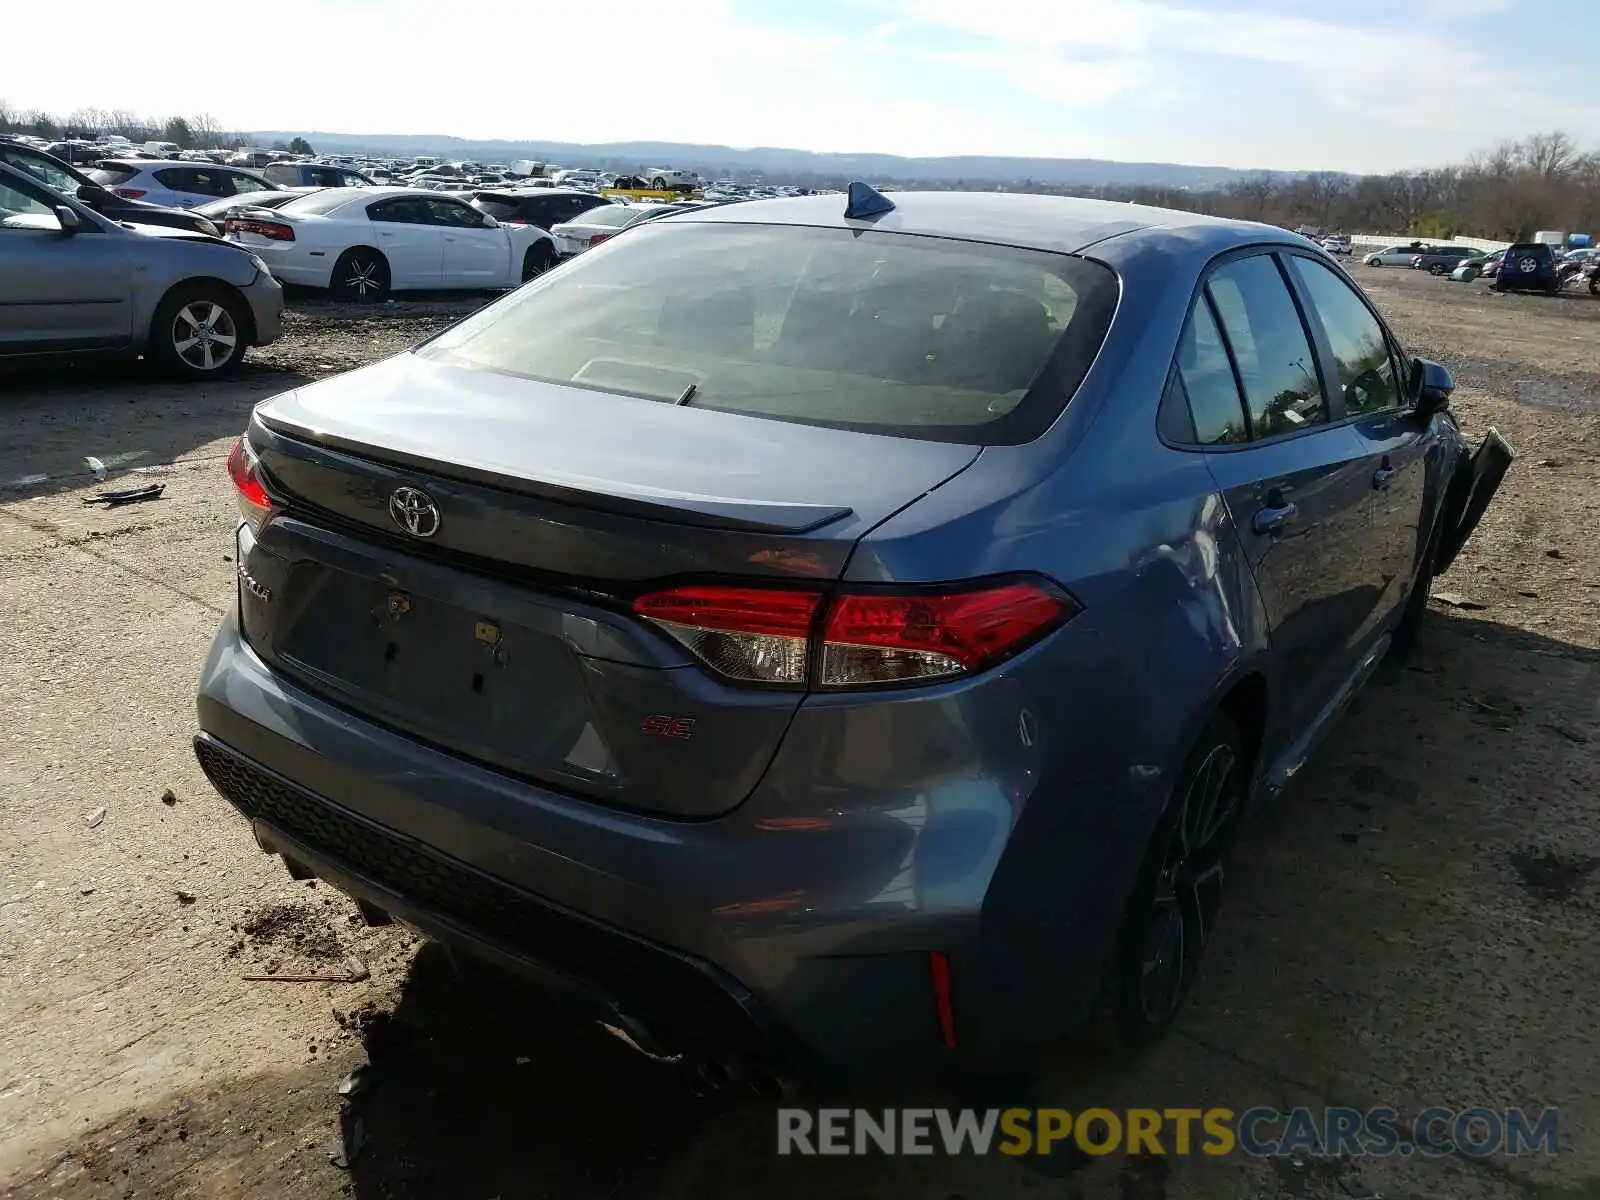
(448, 212)
(404, 210)
(40, 168)
(1271, 350)
(21, 210)
(179, 179)
(1206, 382)
(1366, 371)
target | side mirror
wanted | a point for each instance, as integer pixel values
(1430, 386)
(70, 222)
(93, 195)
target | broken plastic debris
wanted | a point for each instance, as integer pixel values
(95, 817)
(95, 465)
(1456, 600)
(169, 798)
(129, 496)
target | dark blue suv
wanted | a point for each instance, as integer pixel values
(1528, 267)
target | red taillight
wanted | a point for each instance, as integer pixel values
(943, 1003)
(596, 239)
(128, 193)
(254, 503)
(767, 635)
(759, 635)
(276, 230)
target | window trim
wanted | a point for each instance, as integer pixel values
(1277, 251)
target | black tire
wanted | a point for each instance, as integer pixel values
(659, 184)
(540, 257)
(199, 331)
(1594, 285)
(1408, 632)
(361, 276)
(1175, 900)
(1436, 269)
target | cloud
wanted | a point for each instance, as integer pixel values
(1412, 75)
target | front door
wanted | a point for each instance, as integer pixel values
(58, 291)
(1296, 485)
(475, 256)
(1372, 393)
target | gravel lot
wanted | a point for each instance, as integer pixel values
(1414, 924)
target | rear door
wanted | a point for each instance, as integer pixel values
(1359, 354)
(187, 187)
(404, 230)
(1295, 482)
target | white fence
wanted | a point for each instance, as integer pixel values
(1379, 240)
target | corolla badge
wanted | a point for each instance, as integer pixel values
(414, 511)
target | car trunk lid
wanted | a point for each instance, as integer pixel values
(455, 551)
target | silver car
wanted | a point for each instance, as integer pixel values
(72, 282)
(1395, 256)
(175, 184)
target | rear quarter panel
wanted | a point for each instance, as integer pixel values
(1171, 617)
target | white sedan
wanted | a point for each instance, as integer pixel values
(362, 243)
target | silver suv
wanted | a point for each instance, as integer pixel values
(72, 282)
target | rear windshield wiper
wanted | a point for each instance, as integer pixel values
(688, 395)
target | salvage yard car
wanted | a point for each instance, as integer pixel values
(866, 654)
(74, 283)
(362, 243)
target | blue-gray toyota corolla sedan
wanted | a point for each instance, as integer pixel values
(839, 630)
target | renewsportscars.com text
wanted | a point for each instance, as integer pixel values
(1259, 1132)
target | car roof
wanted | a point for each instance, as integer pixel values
(149, 164)
(1062, 224)
(517, 194)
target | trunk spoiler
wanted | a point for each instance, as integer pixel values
(599, 495)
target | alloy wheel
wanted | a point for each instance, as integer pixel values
(1188, 890)
(362, 277)
(204, 335)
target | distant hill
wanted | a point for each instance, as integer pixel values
(781, 165)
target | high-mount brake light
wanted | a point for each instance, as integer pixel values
(255, 506)
(863, 638)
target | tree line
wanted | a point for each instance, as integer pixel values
(1507, 193)
(200, 132)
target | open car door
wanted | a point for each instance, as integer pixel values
(1473, 487)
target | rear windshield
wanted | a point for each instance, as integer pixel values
(496, 207)
(880, 332)
(318, 203)
(112, 176)
(1528, 248)
(610, 214)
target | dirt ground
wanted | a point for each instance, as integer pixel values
(1415, 924)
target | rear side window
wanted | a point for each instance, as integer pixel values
(278, 173)
(1276, 364)
(1206, 376)
(113, 176)
(888, 333)
(183, 179)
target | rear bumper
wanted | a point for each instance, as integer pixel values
(666, 1002)
(804, 939)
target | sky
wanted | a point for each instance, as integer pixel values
(1359, 85)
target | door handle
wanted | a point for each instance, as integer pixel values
(1272, 519)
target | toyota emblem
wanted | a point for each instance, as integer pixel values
(414, 511)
